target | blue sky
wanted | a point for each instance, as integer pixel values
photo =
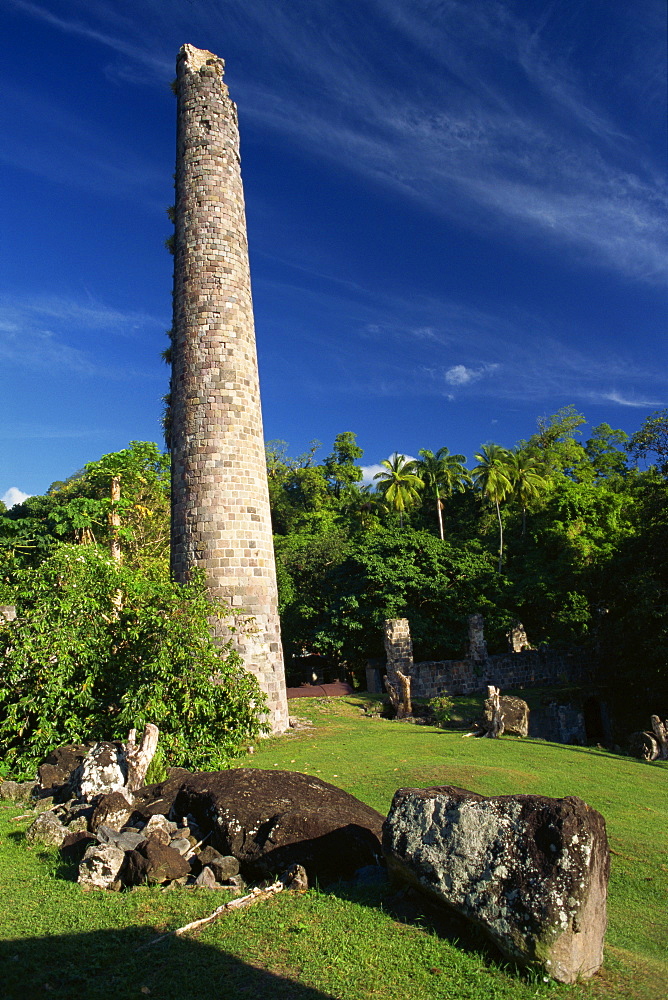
(456, 212)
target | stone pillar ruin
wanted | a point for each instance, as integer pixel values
(477, 651)
(220, 504)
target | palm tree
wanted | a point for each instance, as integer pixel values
(442, 474)
(528, 478)
(493, 477)
(399, 483)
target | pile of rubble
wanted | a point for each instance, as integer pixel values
(220, 829)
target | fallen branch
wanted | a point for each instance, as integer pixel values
(293, 878)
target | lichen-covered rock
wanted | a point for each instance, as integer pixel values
(515, 713)
(46, 829)
(100, 866)
(531, 871)
(112, 810)
(103, 770)
(270, 820)
(17, 791)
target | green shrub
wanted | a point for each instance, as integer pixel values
(442, 708)
(98, 649)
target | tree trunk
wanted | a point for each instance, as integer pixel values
(139, 757)
(115, 520)
(497, 727)
(439, 510)
(660, 730)
(498, 513)
(400, 694)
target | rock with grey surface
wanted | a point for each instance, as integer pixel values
(515, 712)
(530, 870)
(100, 866)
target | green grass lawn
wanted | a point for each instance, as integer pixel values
(345, 942)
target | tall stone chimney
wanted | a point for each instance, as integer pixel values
(220, 503)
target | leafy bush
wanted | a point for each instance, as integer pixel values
(442, 708)
(97, 649)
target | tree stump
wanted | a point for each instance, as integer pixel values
(497, 725)
(139, 757)
(660, 730)
(400, 694)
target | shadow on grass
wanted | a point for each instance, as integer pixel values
(407, 906)
(118, 965)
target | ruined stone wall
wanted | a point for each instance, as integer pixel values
(527, 668)
(220, 504)
(506, 671)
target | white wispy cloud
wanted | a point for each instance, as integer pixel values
(14, 496)
(461, 375)
(635, 402)
(543, 160)
(38, 334)
(136, 52)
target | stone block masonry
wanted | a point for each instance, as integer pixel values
(220, 504)
(528, 668)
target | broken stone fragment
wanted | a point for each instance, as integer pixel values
(112, 810)
(181, 845)
(206, 879)
(46, 829)
(531, 871)
(224, 868)
(160, 822)
(152, 861)
(100, 866)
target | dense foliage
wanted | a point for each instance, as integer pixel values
(570, 537)
(97, 649)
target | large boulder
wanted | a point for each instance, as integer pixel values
(531, 871)
(17, 791)
(103, 770)
(269, 820)
(515, 712)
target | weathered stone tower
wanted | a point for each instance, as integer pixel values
(220, 504)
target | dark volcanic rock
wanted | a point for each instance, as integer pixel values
(153, 861)
(74, 845)
(271, 819)
(531, 871)
(112, 810)
(57, 771)
(158, 799)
